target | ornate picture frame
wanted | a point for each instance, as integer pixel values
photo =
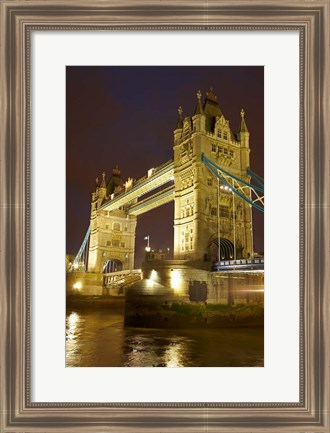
(18, 19)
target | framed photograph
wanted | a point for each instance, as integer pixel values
(170, 114)
(132, 270)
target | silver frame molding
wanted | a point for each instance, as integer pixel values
(17, 20)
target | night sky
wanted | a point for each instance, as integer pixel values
(125, 116)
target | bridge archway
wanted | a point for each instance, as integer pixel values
(112, 265)
(226, 249)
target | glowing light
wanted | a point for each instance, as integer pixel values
(255, 290)
(75, 265)
(77, 285)
(255, 271)
(173, 356)
(148, 249)
(150, 283)
(152, 279)
(176, 280)
(153, 275)
(72, 321)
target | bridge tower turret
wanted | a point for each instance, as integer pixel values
(112, 234)
(200, 203)
(178, 128)
(198, 119)
(244, 140)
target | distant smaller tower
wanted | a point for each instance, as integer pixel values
(112, 236)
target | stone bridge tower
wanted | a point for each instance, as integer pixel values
(112, 235)
(200, 203)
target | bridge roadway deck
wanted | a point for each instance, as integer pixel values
(149, 203)
(159, 177)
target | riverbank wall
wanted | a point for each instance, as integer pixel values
(194, 282)
(171, 313)
(84, 284)
(188, 282)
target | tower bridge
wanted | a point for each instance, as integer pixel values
(209, 180)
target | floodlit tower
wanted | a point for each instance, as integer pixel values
(199, 201)
(112, 235)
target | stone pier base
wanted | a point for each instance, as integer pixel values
(192, 283)
(84, 283)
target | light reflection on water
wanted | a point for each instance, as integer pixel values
(72, 320)
(173, 355)
(150, 349)
(74, 335)
(97, 338)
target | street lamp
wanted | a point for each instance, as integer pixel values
(148, 246)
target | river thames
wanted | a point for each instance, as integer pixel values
(96, 337)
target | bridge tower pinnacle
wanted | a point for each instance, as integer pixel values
(199, 201)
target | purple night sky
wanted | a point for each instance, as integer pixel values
(125, 116)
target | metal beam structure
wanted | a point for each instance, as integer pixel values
(81, 255)
(252, 194)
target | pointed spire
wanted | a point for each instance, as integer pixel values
(103, 184)
(179, 124)
(199, 108)
(243, 127)
(116, 171)
(211, 96)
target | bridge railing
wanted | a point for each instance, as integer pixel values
(241, 262)
(227, 265)
(137, 182)
(119, 273)
(256, 264)
(116, 279)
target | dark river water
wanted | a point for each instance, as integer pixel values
(96, 337)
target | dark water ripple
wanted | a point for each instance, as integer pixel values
(97, 338)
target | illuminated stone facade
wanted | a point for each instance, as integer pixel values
(112, 236)
(199, 200)
(204, 211)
